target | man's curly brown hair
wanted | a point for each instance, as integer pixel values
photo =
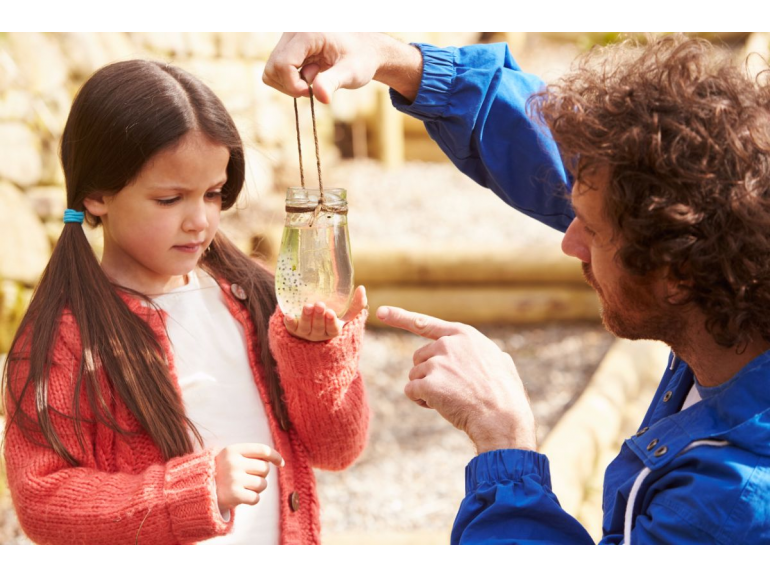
(686, 136)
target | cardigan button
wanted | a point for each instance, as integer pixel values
(660, 452)
(294, 501)
(641, 432)
(238, 292)
(652, 444)
(667, 396)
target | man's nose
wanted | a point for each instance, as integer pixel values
(575, 242)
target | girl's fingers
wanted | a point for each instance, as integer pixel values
(258, 451)
(318, 331)
(290, 323)
(306, 321)
(255, 483)
(332, 323)
(257, 467)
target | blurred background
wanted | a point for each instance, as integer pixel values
(423, 237)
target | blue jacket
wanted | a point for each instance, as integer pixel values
(701, 475)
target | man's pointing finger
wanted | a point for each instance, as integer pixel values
(416, 323)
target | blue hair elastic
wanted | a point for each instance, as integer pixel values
(73, 216)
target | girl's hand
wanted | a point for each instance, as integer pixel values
(319, 323)
(240, 473)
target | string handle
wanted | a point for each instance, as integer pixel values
(315, 139)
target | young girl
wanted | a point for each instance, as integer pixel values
(153, 398)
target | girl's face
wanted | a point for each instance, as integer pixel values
(157, 227)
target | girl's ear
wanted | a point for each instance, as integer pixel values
(96, 205)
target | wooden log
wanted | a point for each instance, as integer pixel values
(441, 264)
(590, 434)
(495, 304)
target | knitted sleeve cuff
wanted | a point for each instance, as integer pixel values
(191, 497)
(305, 360)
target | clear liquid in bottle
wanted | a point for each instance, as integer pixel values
(314, 263)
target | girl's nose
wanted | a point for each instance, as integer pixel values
(575, 242)
(196, 218)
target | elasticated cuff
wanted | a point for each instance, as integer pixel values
(495, 467)
(438, 75)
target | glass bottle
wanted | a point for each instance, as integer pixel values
(314, 263)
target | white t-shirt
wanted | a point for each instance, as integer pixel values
(692, 397)
(219, 392)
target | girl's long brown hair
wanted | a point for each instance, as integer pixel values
(124, 115)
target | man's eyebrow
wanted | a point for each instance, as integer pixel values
(180, 188)
(580, 215)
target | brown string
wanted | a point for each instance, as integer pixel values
(299, 145)
(321, 201)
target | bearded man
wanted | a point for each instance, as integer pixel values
(655, 161)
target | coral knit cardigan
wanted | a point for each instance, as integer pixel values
(125, 492)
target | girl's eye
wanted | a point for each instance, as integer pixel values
(212, 195)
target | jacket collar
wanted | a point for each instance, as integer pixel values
(737, 411)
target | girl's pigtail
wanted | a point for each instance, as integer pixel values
(112, 339)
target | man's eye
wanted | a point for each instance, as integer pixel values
(166, 201)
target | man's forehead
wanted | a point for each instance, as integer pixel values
(588, 194)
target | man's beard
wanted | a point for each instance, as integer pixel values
(639, 315)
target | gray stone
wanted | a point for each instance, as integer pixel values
(231, 80)
(16, 104)
(48, 202)
(260, 180)
(51, 110)
(39, 60)
(84, 52)
(52, 173)
(258, 45)
(119, 46)
(9, 71)
(24, 246)
(53, 228)
(201, 44)
(229, 44)
(19, 154)
(161, 43)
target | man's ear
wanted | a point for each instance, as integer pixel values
(96, 204)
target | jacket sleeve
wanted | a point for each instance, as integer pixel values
(708, 498)
(56, 503)
(324, 391)
(473, 101)
(509, 500)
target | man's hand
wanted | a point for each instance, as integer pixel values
(467, 378)
(330, 61)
